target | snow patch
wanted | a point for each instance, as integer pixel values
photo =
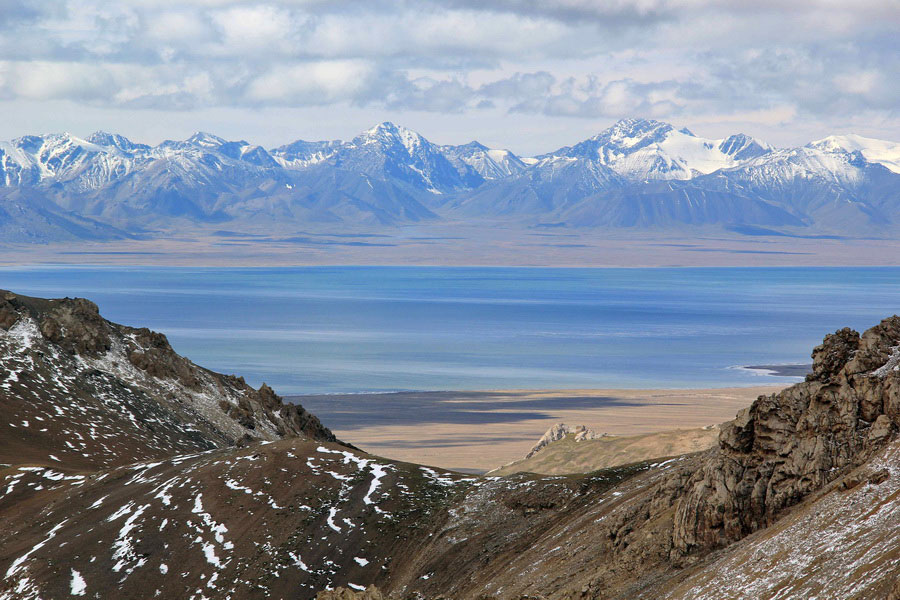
(892, 364)
(77, 587)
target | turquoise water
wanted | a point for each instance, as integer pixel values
(365, 329)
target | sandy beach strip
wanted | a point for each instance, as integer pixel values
(479, 431)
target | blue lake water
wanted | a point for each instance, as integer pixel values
(366, 329)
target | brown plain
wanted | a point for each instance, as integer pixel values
(483, 447)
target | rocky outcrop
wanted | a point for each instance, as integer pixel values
(787, 445)
(342, 593)
(558, 432)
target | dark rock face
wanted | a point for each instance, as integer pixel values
(74, 324)
(156, 357)
(834, 352)
(787, 445)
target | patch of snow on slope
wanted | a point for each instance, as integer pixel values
(123, 547)
(23, 333)
(15, 567)
(892, 364)
(378, 471)
(77, 586)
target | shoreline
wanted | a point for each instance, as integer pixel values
(477, 431)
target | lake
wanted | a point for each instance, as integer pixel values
(320, 330)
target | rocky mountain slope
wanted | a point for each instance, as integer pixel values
(81, 392)
(201, 499)
(636, 174)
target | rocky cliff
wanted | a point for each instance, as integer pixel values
(787, 445)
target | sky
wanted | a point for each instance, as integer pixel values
(528, 75)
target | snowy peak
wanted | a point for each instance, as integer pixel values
(838, 160)
(392, 136)
(489, 163)
(636, 133)
(206, 140)
(206, 148)
(255, 155)
(63, 155)
(743, 147)
(624, 137)
(401, 154)
(300, 154)
(114, 140)
(873, 150)
(643, 150)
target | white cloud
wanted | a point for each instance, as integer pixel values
(742, 62)
(54, 80)
(178, 26)
(255, 28)
(860, 82)
(312, 83)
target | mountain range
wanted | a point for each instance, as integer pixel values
(636, 174)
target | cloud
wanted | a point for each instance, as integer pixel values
(521, 87)
(580, 59)
(322, 82)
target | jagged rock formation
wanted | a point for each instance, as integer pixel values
(558, 432)
(101, 394)
(120, 478)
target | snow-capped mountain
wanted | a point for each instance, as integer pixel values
(302, 154)
(401, 154)
(487, 162)
(823, 182)
(635, 173)
(205, 147)
(64, 158)
(876, 151)
(643, 150)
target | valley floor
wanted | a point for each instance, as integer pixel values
(459, 244)
(480, 431)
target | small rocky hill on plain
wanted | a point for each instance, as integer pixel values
(162, 479)
(565, 450)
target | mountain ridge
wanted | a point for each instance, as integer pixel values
(636, 174)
